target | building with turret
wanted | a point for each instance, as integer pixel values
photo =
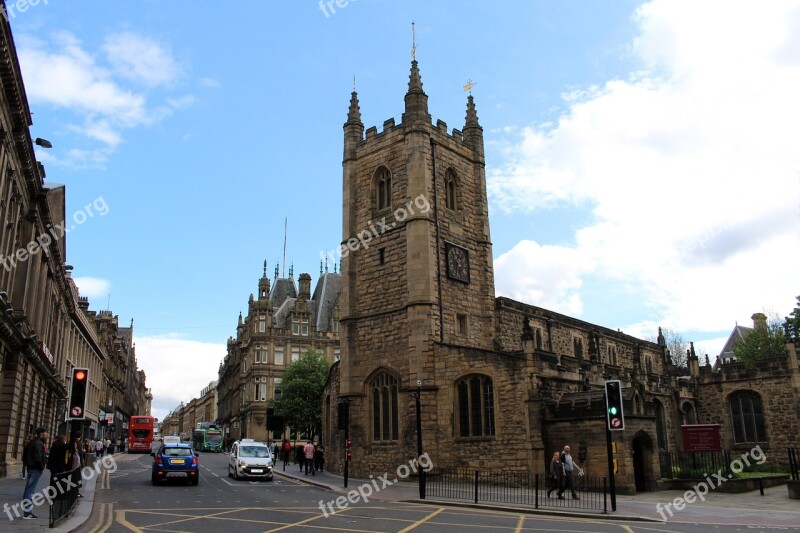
(282, 321)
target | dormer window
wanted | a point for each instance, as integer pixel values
(295, 325)
(383, 183)
(304, 326)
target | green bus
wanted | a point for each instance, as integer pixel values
(207, 439)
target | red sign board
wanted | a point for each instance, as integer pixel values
(701, 438)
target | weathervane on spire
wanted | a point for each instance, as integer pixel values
(413, 42)
(470, 84)
(354, 83)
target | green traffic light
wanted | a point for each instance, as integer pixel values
(612, 410)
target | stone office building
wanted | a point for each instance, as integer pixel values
(281, 323)
(503, 384)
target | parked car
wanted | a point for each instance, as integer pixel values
(250, 459)
(175, 460)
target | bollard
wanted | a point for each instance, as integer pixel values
(761, 485)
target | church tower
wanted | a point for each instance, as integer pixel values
(417, 275)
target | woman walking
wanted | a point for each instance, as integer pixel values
(556, 474)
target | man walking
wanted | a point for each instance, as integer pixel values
(35, 459)
(569, 467)
(308, 456)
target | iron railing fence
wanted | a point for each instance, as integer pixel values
(694, 465)
(66, 486)
(515, 488)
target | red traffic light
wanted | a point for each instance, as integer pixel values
(349, 456)
(80, 375)
(349, 442)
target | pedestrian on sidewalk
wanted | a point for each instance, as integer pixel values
(319, 457)
(35, 460)
(299, 456)
(556, 474)
(569, 466)
(98, 447)
(25, 443)
(308, 457)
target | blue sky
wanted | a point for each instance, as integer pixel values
(642, 158)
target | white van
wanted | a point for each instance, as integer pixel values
(250, 459)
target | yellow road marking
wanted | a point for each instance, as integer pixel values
(122, 521)
(520, 523)
(422, 520)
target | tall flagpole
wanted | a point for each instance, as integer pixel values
(285, 229)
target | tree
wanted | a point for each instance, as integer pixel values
(762, 343)
(793, 321)
(300, 402)
(677, 346)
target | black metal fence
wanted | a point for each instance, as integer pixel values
(519, 488)
(66, 486)
(794, 463)
(694, 465)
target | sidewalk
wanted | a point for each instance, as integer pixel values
(11, 489)
(774, 509)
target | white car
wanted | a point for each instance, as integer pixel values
(250, 459)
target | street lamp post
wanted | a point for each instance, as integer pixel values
(420, 471)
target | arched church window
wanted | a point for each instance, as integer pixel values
(747, 416)
(383, 185)
(475, 397)
(451, 190)
(383, 393)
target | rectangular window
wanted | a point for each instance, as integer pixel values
(258, 356)
(295, 326)
(304, 326)
(262, 324)
(263, 396)
(461, 324)
(279, 355)
(295, 354)
(276, 387)
(337, 354)
(335, 326)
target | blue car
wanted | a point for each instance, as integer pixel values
(176, 460)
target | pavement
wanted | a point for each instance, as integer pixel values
(773, 509)
(11, 489)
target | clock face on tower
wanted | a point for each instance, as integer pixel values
(457, 262)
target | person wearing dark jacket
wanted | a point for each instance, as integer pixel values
(59, 459)
(556, 474)
(35, 459)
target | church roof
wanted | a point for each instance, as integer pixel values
(326, 294)
(738, 334)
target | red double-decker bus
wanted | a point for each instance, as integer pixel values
(140, 434)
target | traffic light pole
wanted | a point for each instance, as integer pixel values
(611, 479)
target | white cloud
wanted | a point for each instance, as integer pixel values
(93, 287)
(62, 73)
(547, 276)
(690, 168)
(140, 59)
(177, 369)
(209, 82)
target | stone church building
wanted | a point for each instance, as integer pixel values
(503, 384)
